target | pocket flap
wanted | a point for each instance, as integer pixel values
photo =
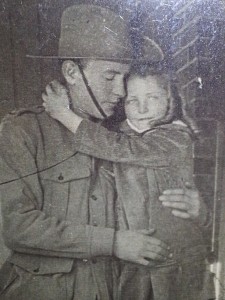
(71, 169)
(41, 265)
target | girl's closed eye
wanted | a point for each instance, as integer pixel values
(153, 98)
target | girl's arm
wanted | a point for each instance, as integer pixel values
(157, 148)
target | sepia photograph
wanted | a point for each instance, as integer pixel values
(112, 150)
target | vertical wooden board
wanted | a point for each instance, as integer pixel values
(25, 39)
(6, 75)
(6, 89)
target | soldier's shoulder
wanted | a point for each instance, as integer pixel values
(38, 109)
(23, 117)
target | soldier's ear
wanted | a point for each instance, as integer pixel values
(70, 71)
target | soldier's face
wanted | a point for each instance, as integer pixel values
(106, 80)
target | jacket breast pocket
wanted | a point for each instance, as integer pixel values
(57, 182)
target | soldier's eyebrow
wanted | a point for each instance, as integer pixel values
(114, 72)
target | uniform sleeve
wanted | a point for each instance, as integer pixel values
(26, 228)
(159, 147)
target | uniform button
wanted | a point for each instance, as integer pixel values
(95, 223)
(60, 177)
(93, 197)
(36, 270)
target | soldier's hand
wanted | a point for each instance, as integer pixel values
(186, 203)
(56, 100)
(140, 247)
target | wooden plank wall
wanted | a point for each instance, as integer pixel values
(32, 27)
(6, 73)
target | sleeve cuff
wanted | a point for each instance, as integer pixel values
(81, 132)
(205, 218)
(101, 241)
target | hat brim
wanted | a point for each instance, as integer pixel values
(91, 57)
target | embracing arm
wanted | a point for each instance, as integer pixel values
(156, 148)
(26, 228)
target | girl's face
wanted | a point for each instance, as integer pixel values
(147, 100)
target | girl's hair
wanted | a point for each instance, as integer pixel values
(177, 106)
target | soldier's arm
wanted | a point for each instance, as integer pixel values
(26, 228)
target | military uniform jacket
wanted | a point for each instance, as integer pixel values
(57, 204)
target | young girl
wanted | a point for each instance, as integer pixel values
(151, 154)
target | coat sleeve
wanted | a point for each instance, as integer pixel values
(26, 228)
(158, 147)
(161, 147)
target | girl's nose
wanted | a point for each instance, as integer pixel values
(143, 107)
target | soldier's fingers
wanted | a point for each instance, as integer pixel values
(154, 256)
(177, 205)
(174, 198)
(180, 214)
(147, 231)
(154, 241)
(143, 261)
(174, 192)
(187, 192)
(157, 249)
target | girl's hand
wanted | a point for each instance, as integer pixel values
(56, 100)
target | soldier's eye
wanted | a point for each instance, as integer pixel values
(131, 100)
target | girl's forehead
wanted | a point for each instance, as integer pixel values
(148, 81)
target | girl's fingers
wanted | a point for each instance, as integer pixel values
(44, 96)
(49, 89)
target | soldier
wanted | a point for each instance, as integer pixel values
(58, 204)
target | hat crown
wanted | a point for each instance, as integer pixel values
(94, 31)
